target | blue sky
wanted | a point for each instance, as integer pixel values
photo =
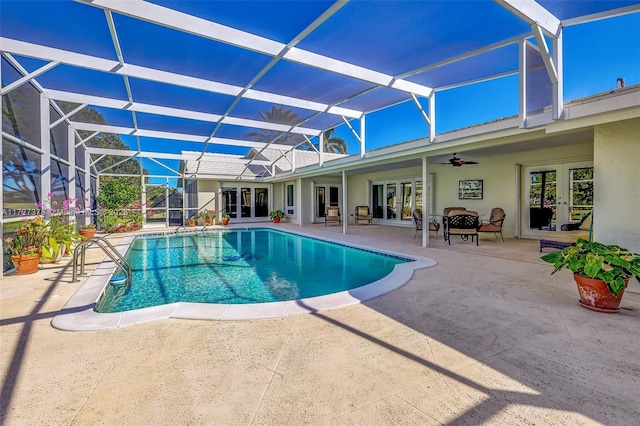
(595, 55)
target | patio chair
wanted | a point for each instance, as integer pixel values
(570, 232)
(434, 225)
(461, 222)
(495, 222)
(446, 210)
(332, 214)
(362, 214)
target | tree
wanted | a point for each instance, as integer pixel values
(281, 115)
(102, 140)
(334, 144)
(118, 193)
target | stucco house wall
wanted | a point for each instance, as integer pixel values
(499, 173)
(617, 194)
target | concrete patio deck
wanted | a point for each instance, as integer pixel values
(485, 337)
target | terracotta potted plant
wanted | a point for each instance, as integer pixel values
(192, 221)
(276, 215)
(601, 272)
(25, 246)
(225, 219)
(208, 216)
(88, 230)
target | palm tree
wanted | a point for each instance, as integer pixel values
(334, 144)
(281, 115)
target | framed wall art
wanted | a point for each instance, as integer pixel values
(470, 189)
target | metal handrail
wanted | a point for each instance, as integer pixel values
(118, 259)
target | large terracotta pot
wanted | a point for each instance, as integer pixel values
(26, 264)
(595, 295)
(276, 220)
(87, 232)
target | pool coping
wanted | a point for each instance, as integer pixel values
(78, 313)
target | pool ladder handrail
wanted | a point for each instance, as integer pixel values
(109, 250)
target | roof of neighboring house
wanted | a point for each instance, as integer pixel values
(221, 165)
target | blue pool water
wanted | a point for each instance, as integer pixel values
(240, 267)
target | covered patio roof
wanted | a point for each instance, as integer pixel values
(225, 77)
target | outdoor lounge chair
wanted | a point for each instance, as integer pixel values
(495, 222)
(570, 232)
(461, 222)
(362, 214)
(434, 225)
(332, 214)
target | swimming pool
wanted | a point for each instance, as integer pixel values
(241, 266)
(79, 313)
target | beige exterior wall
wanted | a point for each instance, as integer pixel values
(617, 194)
(498, 172)
(208, 197)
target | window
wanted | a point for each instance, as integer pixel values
(290, 201)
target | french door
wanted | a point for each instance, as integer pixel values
(326, 195)
(396, 200)
(250, 202)
(555, 194)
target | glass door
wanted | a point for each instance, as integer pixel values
(156, 208)
(246, 202)
(555, 195)
(230, 202)
(326, 196)
(261, 207)
(543, 199)
(391, 202)
(378, 201)
(406, 201)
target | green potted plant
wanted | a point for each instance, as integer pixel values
(276, 215)
(208, 216)
(601, 272)
(225, 219)
(25, 247)
(62, 237)
(192, 221)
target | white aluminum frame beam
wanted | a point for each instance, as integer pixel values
(168, 156)
(130, 131)
(9, 87)
(532, 13)
(151, 74)
(211, 30)
(174, 112)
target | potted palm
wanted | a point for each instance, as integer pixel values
(276, 215)
(25, 247)
(225, 219)
(601, 272)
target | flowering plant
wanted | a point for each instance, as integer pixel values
(208, 214)
(29, 238)
(61, 229)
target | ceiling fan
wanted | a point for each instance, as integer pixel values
(457, 162)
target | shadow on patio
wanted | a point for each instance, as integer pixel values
(487, 336)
